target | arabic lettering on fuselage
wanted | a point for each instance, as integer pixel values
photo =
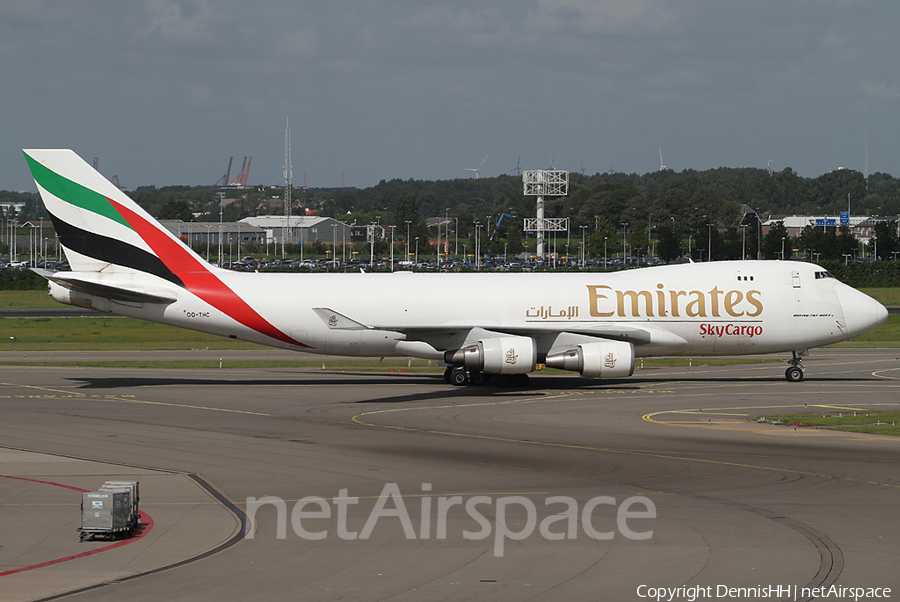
(547, 313)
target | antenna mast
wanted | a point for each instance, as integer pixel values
(288, 174)
(867, 159)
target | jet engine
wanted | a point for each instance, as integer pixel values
(606, 359)
(501, 355)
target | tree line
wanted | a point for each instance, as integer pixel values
(665, 213)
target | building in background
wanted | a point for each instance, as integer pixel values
(305, 228)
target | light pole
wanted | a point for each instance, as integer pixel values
(437, 257)
(477, 247)
(709, 253)
(743, 242)
(782, 248)
(407, 240)
(583, 244)
(624, 233)
(604, 252)
(417, 252)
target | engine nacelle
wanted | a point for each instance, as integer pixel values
(69, 297)
(606, 359)
(501, 355)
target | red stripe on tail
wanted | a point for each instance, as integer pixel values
(199, 279)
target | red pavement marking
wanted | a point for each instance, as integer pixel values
(145, 525)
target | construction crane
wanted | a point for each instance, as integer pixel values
(223, 181)
(241, 180)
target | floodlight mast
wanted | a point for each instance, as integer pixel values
(545, 183)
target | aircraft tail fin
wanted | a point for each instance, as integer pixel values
(99, 226)
(105, 234)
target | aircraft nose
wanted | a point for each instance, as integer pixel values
(862, 313)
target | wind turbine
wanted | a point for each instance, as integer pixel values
(518, 169)
(662, 167)
(475, 169)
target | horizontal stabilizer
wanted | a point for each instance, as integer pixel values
(114, 292)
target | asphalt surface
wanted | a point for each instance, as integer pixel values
(734, 503)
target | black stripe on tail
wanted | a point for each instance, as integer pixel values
(109, 250)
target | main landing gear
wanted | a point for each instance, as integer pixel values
(459, 376)
(794, 374)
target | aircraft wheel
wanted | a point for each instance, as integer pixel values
(478, 378)
(520, 380)
(447, 374)
(459, 377)
(503, 380)
(794, 374)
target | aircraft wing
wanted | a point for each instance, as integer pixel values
(629, 334)
(426, 332)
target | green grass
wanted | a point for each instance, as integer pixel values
(27, 299)
(856, 422)
(885, 336)
(63, 334)
(885, 296)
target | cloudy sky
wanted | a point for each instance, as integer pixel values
(165, 91)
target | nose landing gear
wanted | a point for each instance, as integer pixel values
(794, 374)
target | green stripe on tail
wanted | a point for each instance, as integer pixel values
(73, 192)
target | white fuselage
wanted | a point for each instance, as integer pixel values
(719, 308)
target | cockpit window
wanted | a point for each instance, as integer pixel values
(823, 274)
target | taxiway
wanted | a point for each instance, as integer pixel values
(736, 503)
